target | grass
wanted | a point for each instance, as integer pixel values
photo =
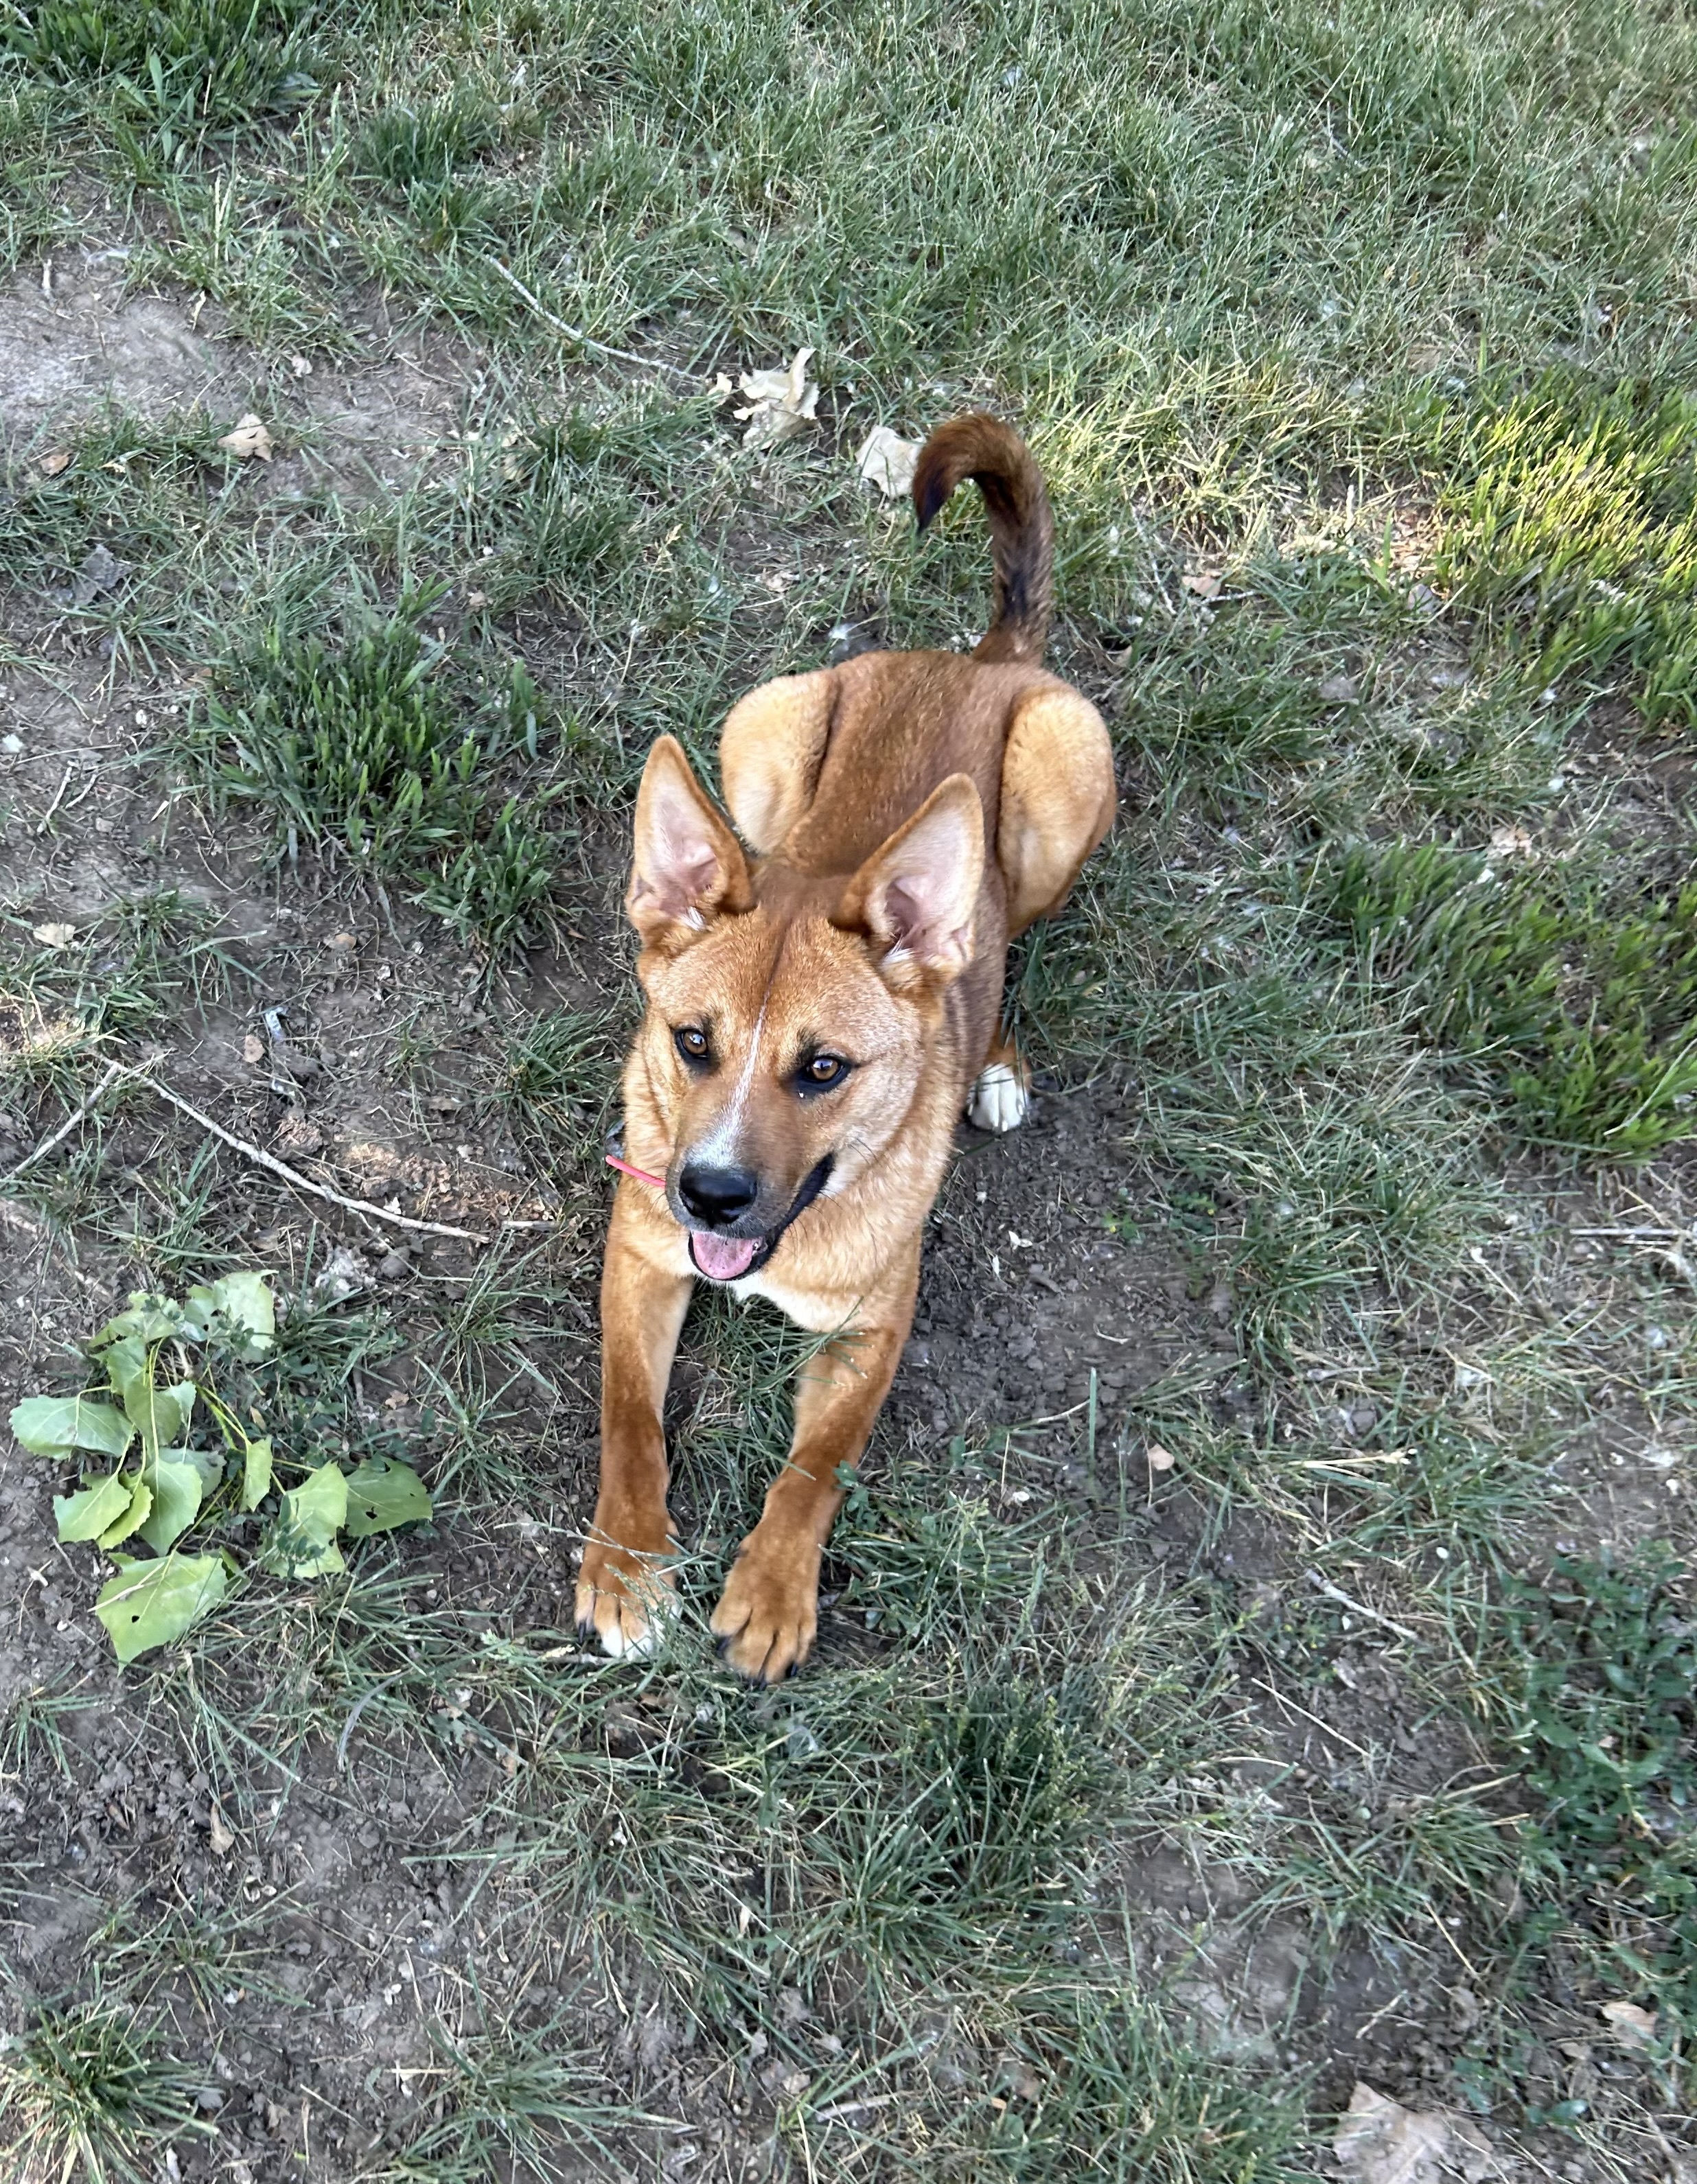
(1600, 1697)
(84, 2091)
(1355, 346)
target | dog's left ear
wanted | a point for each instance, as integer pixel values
(917, 896)
(689, 867)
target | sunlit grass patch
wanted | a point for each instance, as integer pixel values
(1569, 517)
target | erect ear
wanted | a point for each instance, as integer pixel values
(688, 867)
(917, 896)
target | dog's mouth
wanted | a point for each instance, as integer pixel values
(731, 1258)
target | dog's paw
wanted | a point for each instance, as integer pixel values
(769, 1616)
(626, 1597)
(1000, 1100)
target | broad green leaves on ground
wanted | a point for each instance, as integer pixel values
(149, 1604)
(184, 1458)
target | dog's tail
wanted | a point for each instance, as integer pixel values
(1022, 530)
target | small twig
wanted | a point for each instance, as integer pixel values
(1336, 1592)
(46, 820)
(841, 2109)
(588, 341)
(1667, 1235)
(77, 1114)
(259, 1156)
(290, 1175)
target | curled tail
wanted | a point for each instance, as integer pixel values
(1022, 530)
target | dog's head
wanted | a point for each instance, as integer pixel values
(788, 1023)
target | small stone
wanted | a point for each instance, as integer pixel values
(393, 1266)
(1362, 1417)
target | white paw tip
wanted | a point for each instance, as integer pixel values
(1000, 1100)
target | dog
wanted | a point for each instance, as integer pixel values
(824, 988)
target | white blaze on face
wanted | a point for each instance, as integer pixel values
(720, 1149)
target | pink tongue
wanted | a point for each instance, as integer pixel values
(723, 1257)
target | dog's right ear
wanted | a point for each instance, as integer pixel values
(688, 867)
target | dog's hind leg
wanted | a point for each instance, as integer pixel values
(1057, 800)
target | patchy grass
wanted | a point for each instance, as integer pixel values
(1578, 998)
(1190, 1733)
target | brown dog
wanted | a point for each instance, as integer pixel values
(818, 1014)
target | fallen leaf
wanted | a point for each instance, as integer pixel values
(1159, 1458)
(886, 461)
(55, 936)
(253, 1048)
(781, 402)
(1512, 842)
(1204, 583)
(1380, 2141)
(301, 367)
(249, 439)
(55, 461)
(149, 1604)
(1632, 2026)
(218, 1833)
(101, 572)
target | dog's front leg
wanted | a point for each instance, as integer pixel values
(770, 1612)
(623, 1587)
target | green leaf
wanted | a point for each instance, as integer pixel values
(176, 1489)
(151, 1318)
(302, 1542)
(243, 1302)
(149, 1604)
(133, 1518)
(49, 1424)
(85, 1516)
(127, 1365)
(160, 1414)
(382, 1495)
(208, 1461)
(256, 1474)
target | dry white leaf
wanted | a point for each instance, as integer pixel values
(1205, 583)
(249, 439)
(219, 1834)
(781, 402)
(55, 935)
(887, 461)
(55, 461)
(301, 367)
(1512, 842)
(1380, 2141)
(1159, 1458)
(1632, 2026)
(1337, 690)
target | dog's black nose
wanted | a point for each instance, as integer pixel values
(716, 1194)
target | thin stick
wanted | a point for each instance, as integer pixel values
(588, 341)
(77, 1114)
(1372, 1614)
(290, 1175)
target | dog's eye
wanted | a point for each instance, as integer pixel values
(823, 1070)
(692, 1043)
